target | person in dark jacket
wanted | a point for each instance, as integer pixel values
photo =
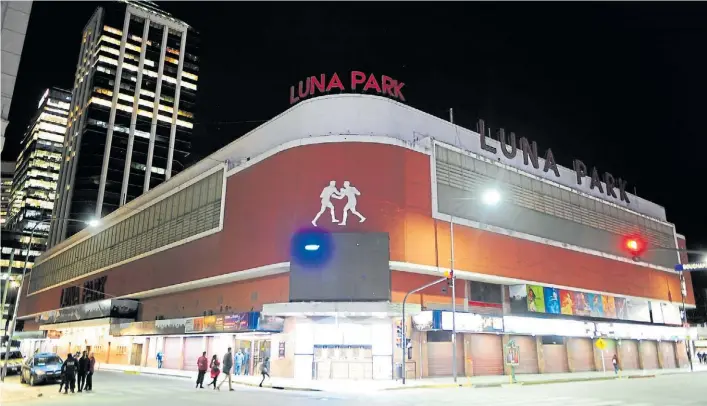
(89, 374)
(202, 364)
(83, 370)
(265, 370)
(68, 370)
(227, 366)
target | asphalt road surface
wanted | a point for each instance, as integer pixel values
(134, 390)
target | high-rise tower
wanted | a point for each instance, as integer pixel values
(132, 111)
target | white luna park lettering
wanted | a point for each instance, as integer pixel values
(529, 149)
(330, 191)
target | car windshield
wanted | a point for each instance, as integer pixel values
(48, 360)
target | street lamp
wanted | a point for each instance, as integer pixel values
(489, 197)
(91, 223)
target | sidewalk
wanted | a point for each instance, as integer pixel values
(13, 391)
(378, 385)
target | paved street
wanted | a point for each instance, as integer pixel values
(120, 389)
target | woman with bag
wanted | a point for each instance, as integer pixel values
(215, 371)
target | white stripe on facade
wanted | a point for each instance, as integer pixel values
(133, 118)
(111, 119)
(155, 111)
(175, 113)
(284, 267)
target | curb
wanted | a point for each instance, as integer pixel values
(602, 378)
(255, 385)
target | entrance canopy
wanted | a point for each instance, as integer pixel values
(341, 309)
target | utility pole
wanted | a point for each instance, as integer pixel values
(454, 290)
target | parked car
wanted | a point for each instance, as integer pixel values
(43, 367)
(14, 361)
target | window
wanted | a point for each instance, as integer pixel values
(186, 213)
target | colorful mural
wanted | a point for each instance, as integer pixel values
(536, 299)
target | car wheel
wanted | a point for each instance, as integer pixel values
(31, 380)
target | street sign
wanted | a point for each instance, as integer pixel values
(601, 344)
(696, 266)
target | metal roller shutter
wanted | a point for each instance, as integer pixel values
(172, 354)
(667, 352)
(607, 354)
(439, 357)
(649, 353)
(486, 354)
(628, 354)
(555, 356)
(192, 351)
(682, 354)
(528, 362)
(581, 354)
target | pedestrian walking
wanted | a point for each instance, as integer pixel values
(615, 361)
(227, 367)
(265, 370)
(246, 362)
(202, 365)
(238, 363)
(89, 374)
(69, 369)
(215, 371)
(159, 359)
(82, 370)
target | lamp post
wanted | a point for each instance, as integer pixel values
(490, 197)
(91, 223)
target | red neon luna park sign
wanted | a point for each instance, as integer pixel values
(358, 82)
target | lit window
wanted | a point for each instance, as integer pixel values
(173, 51)
(59, 104)
(112, 30)
(51, 127)
(190, 76)
(171, 60)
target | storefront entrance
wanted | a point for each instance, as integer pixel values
(439, 353)
(528, 349)
(343, 362)
(649, 354)
(667, 354)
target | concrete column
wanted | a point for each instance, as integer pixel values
(468, 359)
(133, 117)
(541, 355)
(175, 114)
(640, 355)
(155, 111)
(111, 117)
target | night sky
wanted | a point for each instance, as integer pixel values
(618, 85)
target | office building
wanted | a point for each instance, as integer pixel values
(302, 249)
(7, 170)
(131, 114)
(37, 169)
(15, 18)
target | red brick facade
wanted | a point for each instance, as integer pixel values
(267, 202)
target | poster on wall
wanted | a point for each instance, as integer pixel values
(209, 323)
(281, 350)
(236, 322)
(609, 306)
(580, 306)
(566, 303)
(536, 299)
(194, 325)
(638, 310)
(552, 300)
(656, 312)
(620, 306)
(671, 314)
(596, 305)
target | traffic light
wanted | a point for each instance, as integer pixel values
(449, 275)
(399, 334)
(635, 246)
